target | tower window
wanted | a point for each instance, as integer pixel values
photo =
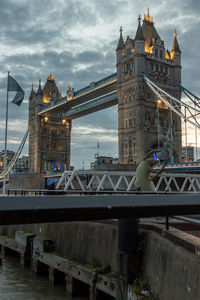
(156, 52)
(130, 144)
(130, 122)
(134, 149)
(161, 54)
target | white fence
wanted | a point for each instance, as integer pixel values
(95, 181)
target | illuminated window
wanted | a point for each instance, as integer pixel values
(161, 104)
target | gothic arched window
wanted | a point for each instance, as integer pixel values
(156, 52)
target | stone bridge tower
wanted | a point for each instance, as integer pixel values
(138, 107)
(49, 136)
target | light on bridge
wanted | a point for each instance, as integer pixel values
(63, 121)
(45, 119)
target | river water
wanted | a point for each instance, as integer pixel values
(21, 283)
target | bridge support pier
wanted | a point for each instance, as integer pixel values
(127, 255)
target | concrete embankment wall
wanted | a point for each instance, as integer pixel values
(172, 263)
(88, 242)
(171, 258)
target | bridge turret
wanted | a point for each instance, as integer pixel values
(50, 88)
(176, 52)
(139, 39)
(39, 90)
(139, 46)
(120, 47)
(176, 57)
(32, 94)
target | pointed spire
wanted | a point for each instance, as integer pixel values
(50, 77)
(139, 34)
(175, 46)
(121, 40)
(39, 91)
(147, 17)
(32, 94)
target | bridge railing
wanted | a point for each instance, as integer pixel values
(97, 181)
(96, 84)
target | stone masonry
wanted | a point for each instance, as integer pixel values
(138, 107)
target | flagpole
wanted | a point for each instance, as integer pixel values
(6, 137)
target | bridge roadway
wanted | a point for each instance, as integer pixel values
(43, 209)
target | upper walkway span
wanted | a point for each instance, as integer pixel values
(92, 91)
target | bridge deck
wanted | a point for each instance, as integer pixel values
(42, 209)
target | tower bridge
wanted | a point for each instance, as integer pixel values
(51, 115)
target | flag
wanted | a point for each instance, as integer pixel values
(13, 86)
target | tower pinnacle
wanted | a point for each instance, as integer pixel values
(175, 46)
(139, 34)
(175, 33)
(139, 19)
(39, 91)
(51, 77)
(121, 40)
(32, 93)
(147, 17)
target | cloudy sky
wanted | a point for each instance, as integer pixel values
(76, 41)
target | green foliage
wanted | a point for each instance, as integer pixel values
(142, 289)
(10, 237)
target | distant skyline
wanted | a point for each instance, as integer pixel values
(76, 41)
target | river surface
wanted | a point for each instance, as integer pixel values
(21, 283)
